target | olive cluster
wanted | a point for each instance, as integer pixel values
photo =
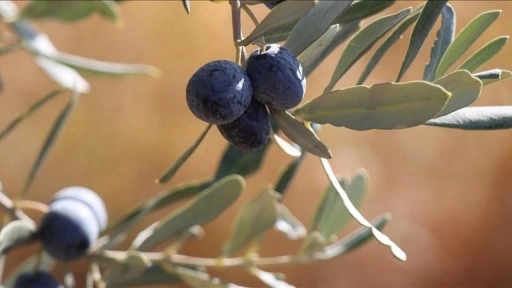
(236, 99)
(75, 218)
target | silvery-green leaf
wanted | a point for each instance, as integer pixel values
(390, 40)
(484, 54)
(270, 279)
(332, 215)
(9, 11)
(205, 207)
(71, 10)
(353, 240)
(289, 224)
(54, 133)
(364, 41)
(15, 233)
(97, 67)
(380, 106)
(281, 16)
(32, 108)
(465, 89)
(39, 44)
(169, 173)
(161, 200)
(467, 36)
(236, 161)
(310, 57)
(301, 134)
(476, 118)
(186, 5)
(421, 29)
(360, 10)
(382, 238)
(444, 38)
(287, 175)
(493, 76)
(314, 23)
(256, 217)
(152, 275)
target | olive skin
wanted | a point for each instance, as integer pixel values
(219, 92)
(73, 223)
(276, 76)
(250, 131)
(38, 279)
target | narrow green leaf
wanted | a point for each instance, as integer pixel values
(382, 238)
(203, 208)
(287, 175)
(444, 38)
(159, 201)
(380, 106)
(364, 41)
(476, 118)
(390, 40)
(493, 76)
(194, 278)
(32, 108)
(171, 171)
(353, 240)
(314, 24)
(256, 217)
(186, 5)
(236, 161)
(281, 16)
(425, 23)
(465, 89)
(484, 54)
(15, 233)
(467, 36)
(97, 67)
(54, 133)
(70, 10)
(360, 10)
(341, 36)
(289, 224)
(38, 43)
(44, 263)
(301, 134)
(332, 216)
(310, 57)
(152, 275)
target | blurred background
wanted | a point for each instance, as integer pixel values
(449, 191)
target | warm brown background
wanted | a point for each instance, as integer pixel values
(450, 192)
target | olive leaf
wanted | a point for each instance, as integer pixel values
(467, 36)
(493, 76)
(236, 161)
(390, 40)
(382, 238)
(256, 217)
(203, 208)
(444, 38)
(464, 87)
(421, 29)
(476, 118)
(54, 133)
(314, 23)
(289, 224)
(301, 134)
(71, 10)
(380, 106)
(362, 9)
(362, 42)
(484, 54)
(15, 233)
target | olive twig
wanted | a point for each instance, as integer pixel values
(237, 31)
(11, 209)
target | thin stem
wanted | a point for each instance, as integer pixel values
(33, 205)
(251, 15)
(11, 209)
(237, 31)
